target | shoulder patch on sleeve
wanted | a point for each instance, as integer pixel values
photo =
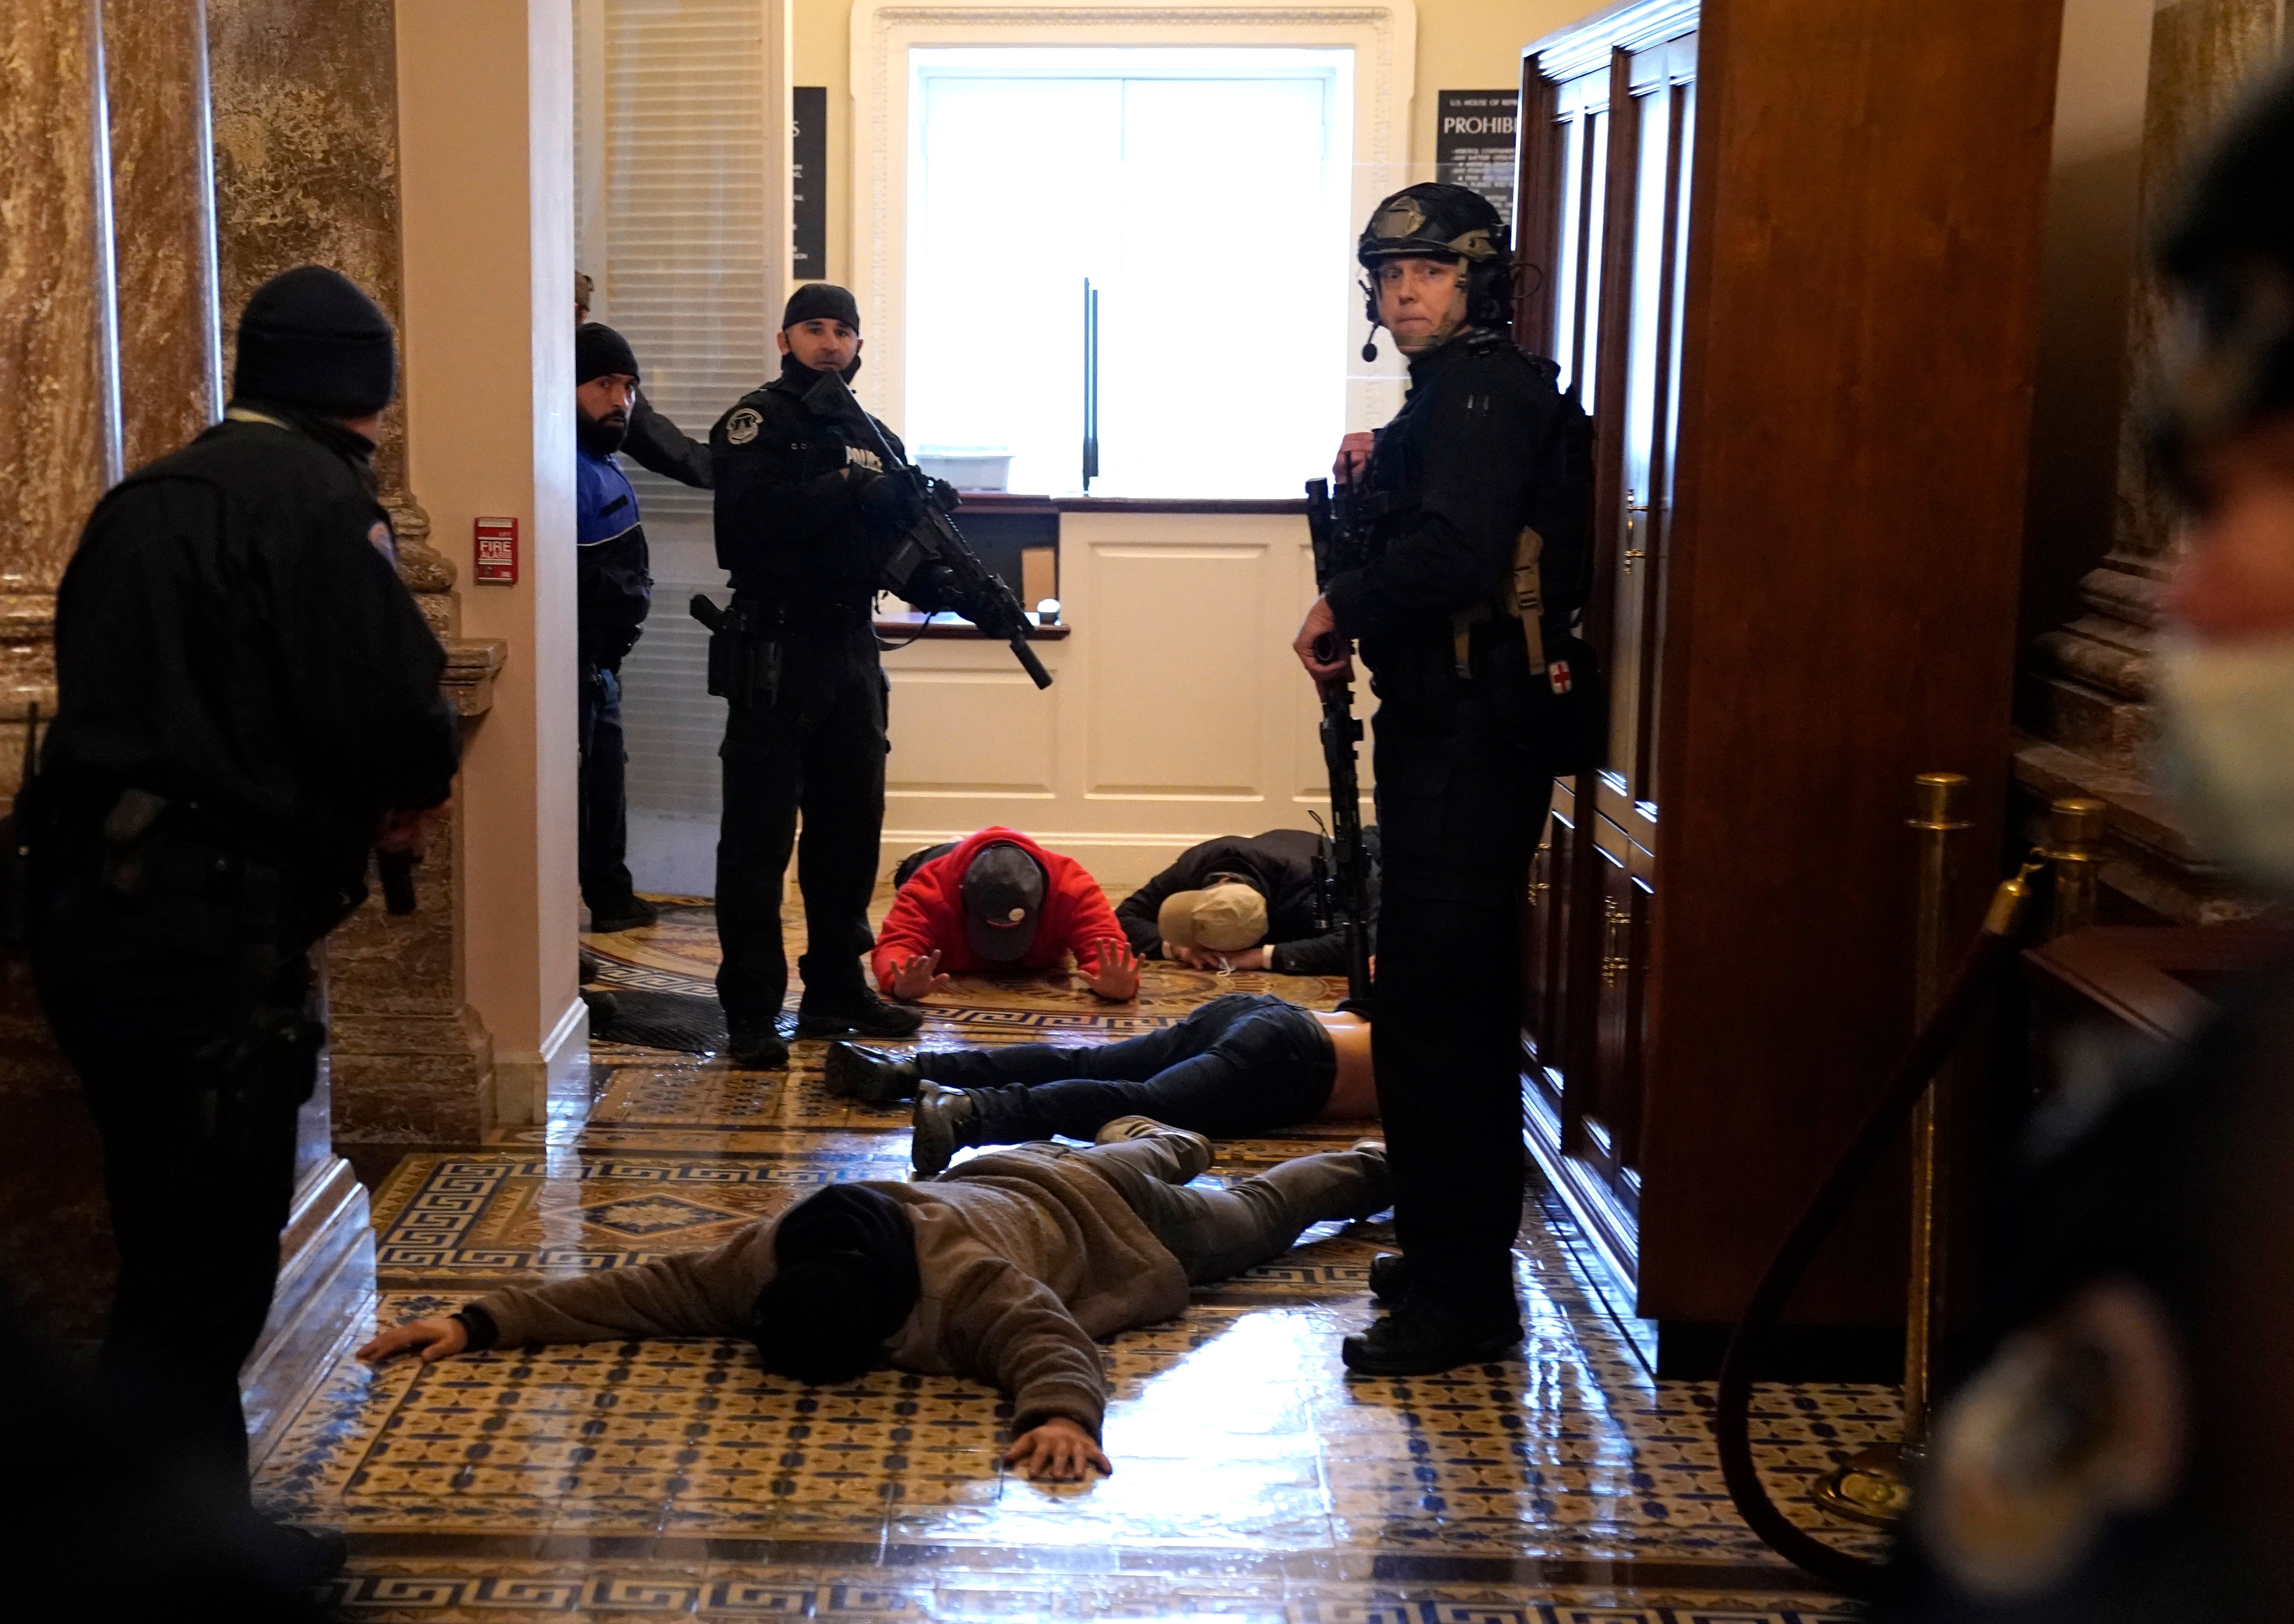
(742, 427)
(378, 537)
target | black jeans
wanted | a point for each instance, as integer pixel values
(1460, 801)
(819, 749)
(604, 807)
(1217, 1233)
(186, 1015)
(1242, 1065)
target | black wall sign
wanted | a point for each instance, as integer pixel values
(811, 261)
(1473, 144)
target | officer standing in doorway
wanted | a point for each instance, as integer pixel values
(613, 590)
(1446, 489)
(805, 521)
(250, 704)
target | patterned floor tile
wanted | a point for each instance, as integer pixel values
(1255, 1478)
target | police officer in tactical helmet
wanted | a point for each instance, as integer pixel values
(249, 703)
(1447, 489)
(805, 522)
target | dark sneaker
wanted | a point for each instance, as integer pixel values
(757, 1051)
(1423, 1339)
(943, 1125)
(862, 1013)
(635, 914)
(875, 1077)
(297, 1558)
(603, 1006)
(1389, 1278)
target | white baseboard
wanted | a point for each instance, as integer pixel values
(526, 1081)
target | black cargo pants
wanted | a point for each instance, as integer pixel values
(818, 750)
(186, 1010)
(1462, 799)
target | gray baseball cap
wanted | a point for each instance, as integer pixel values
(1003, 890)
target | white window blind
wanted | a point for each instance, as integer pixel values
(671, 175)
(671, 178)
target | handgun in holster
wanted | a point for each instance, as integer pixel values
(745, 651)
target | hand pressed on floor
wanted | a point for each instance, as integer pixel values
(918, 978)
(1057, 1451)
(1116, 979)
(433, 1339)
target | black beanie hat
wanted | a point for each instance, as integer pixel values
(598, 350)
(815, 300)
(310, 338)
(844, 1281)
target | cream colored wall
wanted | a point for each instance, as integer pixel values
(1462, 44)
(485, 123)
(1176, 710)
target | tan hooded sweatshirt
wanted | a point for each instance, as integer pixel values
(1026, 1255)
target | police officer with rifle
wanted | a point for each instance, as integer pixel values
(1455, 563)
(817, 510)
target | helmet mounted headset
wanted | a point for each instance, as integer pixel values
(1450, 223)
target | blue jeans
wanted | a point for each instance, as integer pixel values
(1242, 1065)
(1215, 1233)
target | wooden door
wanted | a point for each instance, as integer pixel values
(1604, 197)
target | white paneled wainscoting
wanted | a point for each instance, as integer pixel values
(1176, 712)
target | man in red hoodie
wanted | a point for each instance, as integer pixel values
(999, 901)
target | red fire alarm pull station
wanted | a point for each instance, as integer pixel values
(497, 552)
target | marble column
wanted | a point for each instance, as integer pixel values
(306, 97)
(2093, 675)
(163, 212)
(60, 442)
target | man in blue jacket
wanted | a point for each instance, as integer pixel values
(615, 590)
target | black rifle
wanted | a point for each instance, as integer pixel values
(980, 594)
(1337, 547)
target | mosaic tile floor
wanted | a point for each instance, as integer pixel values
(1253, 1480)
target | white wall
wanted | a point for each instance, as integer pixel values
(1176, 712)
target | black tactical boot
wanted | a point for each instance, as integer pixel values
(1422, 1338)
(1389, 1278)
(757, 1051)
(858, 1012)
(875, 1077)
(943, 1126)
(633, 915)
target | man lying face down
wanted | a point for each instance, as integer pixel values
(1005, 1268)
(1242, 1065)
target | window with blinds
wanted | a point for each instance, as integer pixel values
(672, 176)
(675, 176)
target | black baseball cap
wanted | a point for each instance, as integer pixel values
(1003, 890)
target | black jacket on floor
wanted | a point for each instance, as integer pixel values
(1280, 866)
(232, 637)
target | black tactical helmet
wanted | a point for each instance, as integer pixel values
(1435, 221)
(2228, 251)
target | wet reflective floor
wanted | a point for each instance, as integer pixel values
(1254, 1479)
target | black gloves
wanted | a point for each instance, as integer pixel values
(890, 504)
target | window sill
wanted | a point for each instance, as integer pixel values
(909, 624)
(998, 501)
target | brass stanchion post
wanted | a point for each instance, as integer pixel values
(2074, 852)
(1874, 1485)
